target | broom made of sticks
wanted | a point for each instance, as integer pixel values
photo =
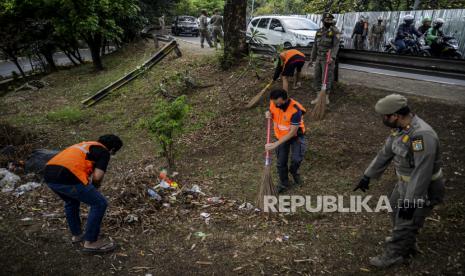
(266, 187)
(257, 97)
(318, 111)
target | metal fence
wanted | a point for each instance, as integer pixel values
(454, 22)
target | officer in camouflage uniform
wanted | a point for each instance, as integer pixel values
(414, 147)
(203, 29)
(327, 38)
(377, 35)
(217, 28)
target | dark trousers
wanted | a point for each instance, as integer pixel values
(73, 195)
(403, 240)
(296, 147)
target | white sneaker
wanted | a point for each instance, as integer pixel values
(298, 85)
(315, 100)
(327, 99)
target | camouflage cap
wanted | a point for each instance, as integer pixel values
(327, 15)
(390, 104)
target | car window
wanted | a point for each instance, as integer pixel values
(263, 23)
(300, 24)
(254, 22)
(275, 23)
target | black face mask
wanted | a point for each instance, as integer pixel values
(387, 123)
(327, 24)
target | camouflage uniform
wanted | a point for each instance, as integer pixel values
(325, 39)
(377, 36)
(416, 155)
(203, 29)
(217, 28)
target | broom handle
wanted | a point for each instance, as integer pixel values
(325, 79)
(268, 134)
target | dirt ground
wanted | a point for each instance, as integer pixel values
(222, 152)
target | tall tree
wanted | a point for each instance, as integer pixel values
(13, 33)
(95, 21)
(234, 31)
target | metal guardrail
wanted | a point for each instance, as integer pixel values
(450, 68)
(168, 48)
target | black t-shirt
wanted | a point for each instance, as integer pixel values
(59, 174)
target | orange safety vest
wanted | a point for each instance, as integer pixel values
(74, 159)
(282, 119)
(286, 55)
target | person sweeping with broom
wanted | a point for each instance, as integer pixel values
(327, 39)
(287, 116)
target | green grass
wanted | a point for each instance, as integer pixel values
(67, 115)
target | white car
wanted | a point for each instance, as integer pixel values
(289, 31)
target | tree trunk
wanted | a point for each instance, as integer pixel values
(50, 61)
(16, 62)
(95, 43)
(103, 47)
(70, 58)
(234, 31)
(77, 55)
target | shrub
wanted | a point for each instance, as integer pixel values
(166, 123)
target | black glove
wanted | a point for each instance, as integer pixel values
(406, 212)
(363, 184)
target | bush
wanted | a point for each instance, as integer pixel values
(166, 123)
(66, 115)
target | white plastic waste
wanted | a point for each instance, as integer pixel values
(8, 180)
(26, 188)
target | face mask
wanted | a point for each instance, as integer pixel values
(327, 24)
(389, 124)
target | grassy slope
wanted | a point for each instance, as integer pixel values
(221, 152)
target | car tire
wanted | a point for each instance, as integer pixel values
(287, 45)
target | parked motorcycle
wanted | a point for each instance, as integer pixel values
(448, 47)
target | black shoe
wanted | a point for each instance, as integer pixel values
(281, 188)
(297, 180)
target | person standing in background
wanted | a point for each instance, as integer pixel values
(377, 35)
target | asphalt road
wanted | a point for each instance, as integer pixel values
(7, 67)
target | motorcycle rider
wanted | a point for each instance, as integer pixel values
(434, 35)
(405, 30)
(426, 24)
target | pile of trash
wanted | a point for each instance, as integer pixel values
(168, 192)
(9, 183)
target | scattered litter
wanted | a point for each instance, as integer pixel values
(196, 190)
(303, 261)
(8, 180)
(167, 205)
(283, 238)
(131, 218)
(203, 263)
(215, 200)
(457, 173)
(200, 234)
(364, 269)
(149, 168)
(52, 215)
(165, 181)
(154, 195)
(206, 216)
(26, 188)
(26, 219)
(246, 206)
